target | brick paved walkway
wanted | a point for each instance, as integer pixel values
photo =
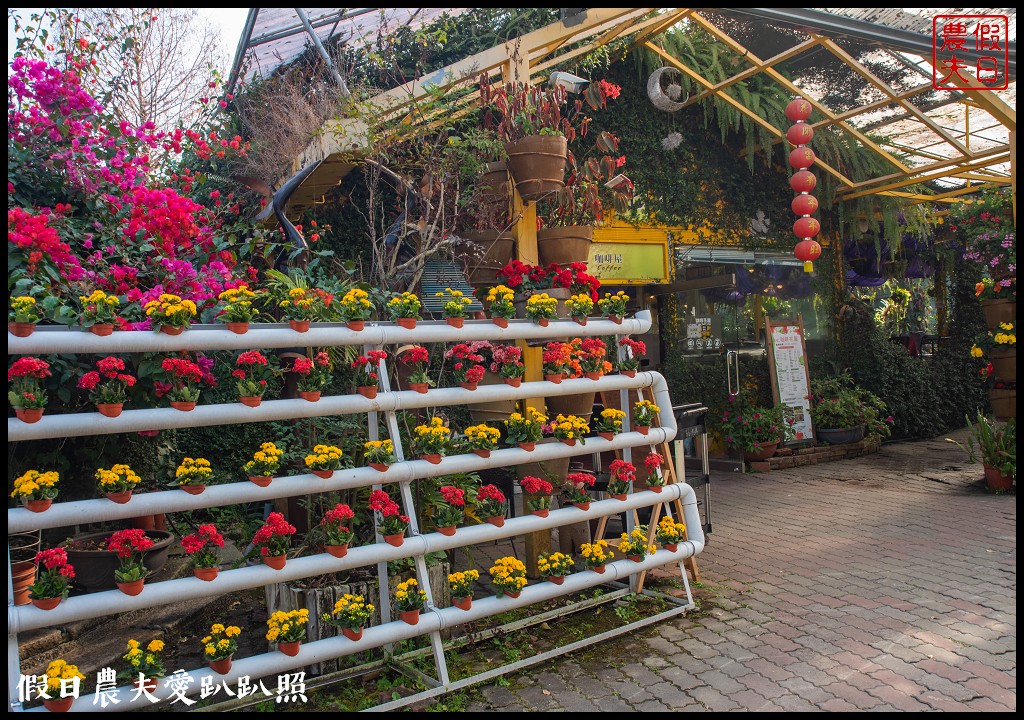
(884, 583)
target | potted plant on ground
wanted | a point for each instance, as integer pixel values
(313, 375)
(273, 539)
(609, 422)
(754, 430)
(118, 482)
(99, 312)
(324, 460)
(288, 630)
(53, 578)
(460, 584)
(410, 599)
(554, 566)
(538, 495)
(634, 544)
(26, 394)
(36, 490)
(219, 646)
(576, 489)
(252, 371)
(201, 547)
(379, 454)
(22, 316)
(193, 475)
(525, 429)
(432, 440)
(404, 309)
(147, 665)
(596, 555)
(454, 305)
(131, 547)
(390, 520)
(264, 464)
(170, 314)
(350, 613)
(508, 575)
(996, 449)
(449, 509)
(841, 412)
(670, 533)
(238, 310)
(337, 531)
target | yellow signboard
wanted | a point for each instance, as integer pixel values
(629, 263)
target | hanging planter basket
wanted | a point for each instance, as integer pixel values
(537, 164)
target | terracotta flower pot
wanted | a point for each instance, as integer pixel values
(412, 617)
(104, 329)
(540, 513)
(468, 385)
(18, 329)
(513, 382)
(380, 467)
(619, 496)
(299, 325)
(395, 540)
(556, 579)
(497, 520)
(408, 323)
(251, 400)
(28, 415)
(310, 395)
(352, 634)
(193, 489)
(500, 322)
(59, 704)
(999, 311)
(207, 574)
(582, 505)
(580, 319)
(323, 473)
(629, 373)
(766, 451)
(447, 530)
(1004, 364)
(455, 322)
(617, 319)
(997, 480)
(421, 388)
(261, 480)
(291, 649)
(671, 547)
(464, 603)
(482, 453)
(355, 325)
(527, 446)
(643, 429)
(432, 458)
(599, 569)
(120, 497)
(635, 558)
(593, 375)
(606, 435)
(512, 595)
(655, 488)
(567, 441)
(338, 551)
(238, 328)
(47, 603)
(109, 409)
(131, 588)
(543, 322)
(552, 377)
(537, 165)
(37, 506)
(183, 406)
(276, 562)
(168, 330)
(367, 391)
(222, 667)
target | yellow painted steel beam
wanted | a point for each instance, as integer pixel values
(725, 97)
(667, 22)
(946, 197)
(887, 90)
(778, 77)
(949, 162)
(920, 178)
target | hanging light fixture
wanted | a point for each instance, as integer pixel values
(803, 181)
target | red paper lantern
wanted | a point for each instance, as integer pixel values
(801, 158)
(798, 110)
(803, 181)
(808, 251)
(806, 227)
(800, 134)
(805, 205)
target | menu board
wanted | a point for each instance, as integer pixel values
(787, 362)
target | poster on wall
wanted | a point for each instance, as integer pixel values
(791, 380)
(704, 333)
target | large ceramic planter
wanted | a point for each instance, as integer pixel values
(1004, 364)
(564, 245)
(766, 451)
(495, 184)
(840, 436)
(997, 480)
(94, 569)
(1003, 402)
(537, 164)
(485, 254)
(999, 311)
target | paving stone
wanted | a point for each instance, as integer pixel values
(712, 699)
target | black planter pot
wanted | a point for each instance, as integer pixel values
(94, 569)
(840, 436)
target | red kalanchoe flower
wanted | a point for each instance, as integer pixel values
(127, 542)
(29, 367)
(340, 513)
(490, 492)
(653, 462)
(415, 354)
(535, 485)
(454, 496)
(623, 470)
(580, 479)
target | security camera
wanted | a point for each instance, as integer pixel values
(568, 82)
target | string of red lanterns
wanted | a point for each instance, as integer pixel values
(803, 181)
